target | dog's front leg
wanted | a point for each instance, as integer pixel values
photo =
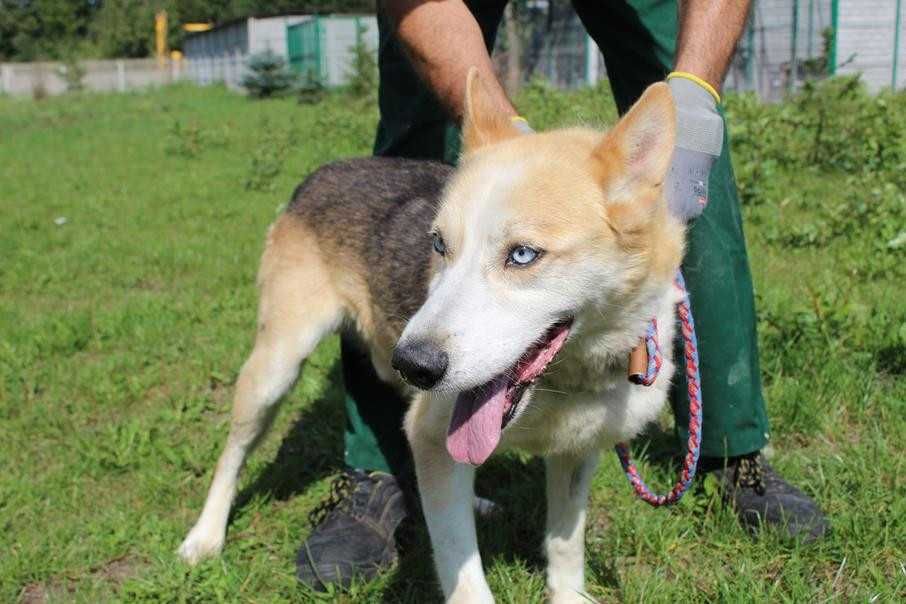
(446, 491)
(568, 481)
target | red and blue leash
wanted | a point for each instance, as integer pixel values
(693, 381)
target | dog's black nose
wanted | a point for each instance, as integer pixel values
(422, 363)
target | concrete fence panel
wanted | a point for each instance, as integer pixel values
(32, 79)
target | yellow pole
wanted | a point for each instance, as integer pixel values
(160, 37)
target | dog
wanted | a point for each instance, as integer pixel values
(503, 297)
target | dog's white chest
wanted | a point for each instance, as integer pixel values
(576, 422)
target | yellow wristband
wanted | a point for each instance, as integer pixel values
(694, 78)
(518, 118)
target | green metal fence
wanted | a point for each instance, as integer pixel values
(322, 50)
(786, 43)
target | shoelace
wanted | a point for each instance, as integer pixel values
(750, 475)
(341, 490)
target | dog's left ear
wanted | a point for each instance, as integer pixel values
(483, 123)
(633, 158)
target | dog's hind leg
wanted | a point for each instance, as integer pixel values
(568, 482)
(298, 307)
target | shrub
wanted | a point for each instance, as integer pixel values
(39, 90)
(267, 75)
(831, 126)
(310, 91)
(269, 155)
(364, 72)
(73, 74)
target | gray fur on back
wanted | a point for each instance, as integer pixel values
(380, 209)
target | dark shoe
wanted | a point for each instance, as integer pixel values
(762, 498)
(354, 532)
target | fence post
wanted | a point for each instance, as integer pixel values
(6, 79)
(835, 27)
(794, 35)
(120, 75)
(750, 56)
(591, 61)
(896, 45)
(513, 50)
(811, 28)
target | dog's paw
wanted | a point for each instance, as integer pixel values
(199, 545)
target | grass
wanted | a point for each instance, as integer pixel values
(131, 229)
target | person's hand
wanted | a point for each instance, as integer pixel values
(699, 139)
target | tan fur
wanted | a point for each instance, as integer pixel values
(482, 124)
(294, 278)
(334, 281)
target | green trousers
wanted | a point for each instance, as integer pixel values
(637, 38)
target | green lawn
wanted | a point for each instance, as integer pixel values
(130, 231)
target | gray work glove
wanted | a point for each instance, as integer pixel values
(699, 139)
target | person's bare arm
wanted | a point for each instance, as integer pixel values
(708, 32)
(443, 40)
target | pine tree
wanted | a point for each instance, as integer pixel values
(267, 75)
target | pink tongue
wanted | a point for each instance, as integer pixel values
(476, 423)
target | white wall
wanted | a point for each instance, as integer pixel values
(866, 35)
(270, 33)
(338, 39)
(26, 79)
(220, 55)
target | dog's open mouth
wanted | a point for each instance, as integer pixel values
(481, 414)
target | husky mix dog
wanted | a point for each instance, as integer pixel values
(466, 285)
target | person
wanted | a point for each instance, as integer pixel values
(426, 49)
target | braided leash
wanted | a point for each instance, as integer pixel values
(693, 447)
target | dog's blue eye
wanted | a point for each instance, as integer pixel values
(522, 255)
(439, 246)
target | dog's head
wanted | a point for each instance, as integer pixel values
(536, 235)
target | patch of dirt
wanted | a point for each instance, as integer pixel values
(152, 285)
(599, 523)
(52, 590)
(114, 572)
(117, 570)
(33, 593)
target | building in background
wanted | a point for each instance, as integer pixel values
(220, 54)
(321, 49)
(786, 42)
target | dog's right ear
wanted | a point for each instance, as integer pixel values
(483, 123)
(636, 153)
(632, 160)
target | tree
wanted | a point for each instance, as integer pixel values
(37, 29)
(58, 29)
(267, 75)
(363, 73)
(125, 28)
